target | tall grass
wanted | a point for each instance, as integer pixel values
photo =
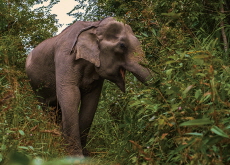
(25, 127)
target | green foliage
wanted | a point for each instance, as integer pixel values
(182, 117)
(21, 29)
(25, 126)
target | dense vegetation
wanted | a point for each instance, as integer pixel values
(182, 117)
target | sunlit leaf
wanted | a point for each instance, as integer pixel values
(23, 147)
(21, 132)
(31, 147)
(169, 72)
(200, 56)
(201, 74)
(161, 121)
(195, 134)
(197, 122)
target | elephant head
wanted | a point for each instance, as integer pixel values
(113, 49)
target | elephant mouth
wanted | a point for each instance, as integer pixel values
(121, 81)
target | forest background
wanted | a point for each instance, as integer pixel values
(182, 117)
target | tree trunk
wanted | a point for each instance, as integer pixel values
(222, 28)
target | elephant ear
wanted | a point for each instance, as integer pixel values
(87, 46)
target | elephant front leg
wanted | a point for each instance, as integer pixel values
(69, 99)
(89, 102)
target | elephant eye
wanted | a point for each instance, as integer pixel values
(122, 46)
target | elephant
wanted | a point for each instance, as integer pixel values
(69, 70)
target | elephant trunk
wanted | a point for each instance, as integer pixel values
(141, 73)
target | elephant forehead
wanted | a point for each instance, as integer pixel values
(111, 28)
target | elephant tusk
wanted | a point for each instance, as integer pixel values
(122, 71)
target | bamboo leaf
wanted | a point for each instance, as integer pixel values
(219, 131)
(23, 147)
(197, 122)
(154, 32)
(195, 134)
(144, 34)
(200, 56)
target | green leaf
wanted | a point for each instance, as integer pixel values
(154, 32)
(31, 147)
(21, 132)
(195, 134)
(219, 131)
(198, 93)
(200, 56)
(3, 147)
(23, 147)
(169, 72)
(172, 14)
(197, 122)
(186, 90)
(227, 127)
(201, 74)
(144, 34)
(205, 97)
(170, 62)
(199, 61)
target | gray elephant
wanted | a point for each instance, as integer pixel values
(69, 70)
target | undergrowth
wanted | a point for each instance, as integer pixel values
(25, 128)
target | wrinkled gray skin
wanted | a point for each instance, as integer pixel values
(70, 68)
